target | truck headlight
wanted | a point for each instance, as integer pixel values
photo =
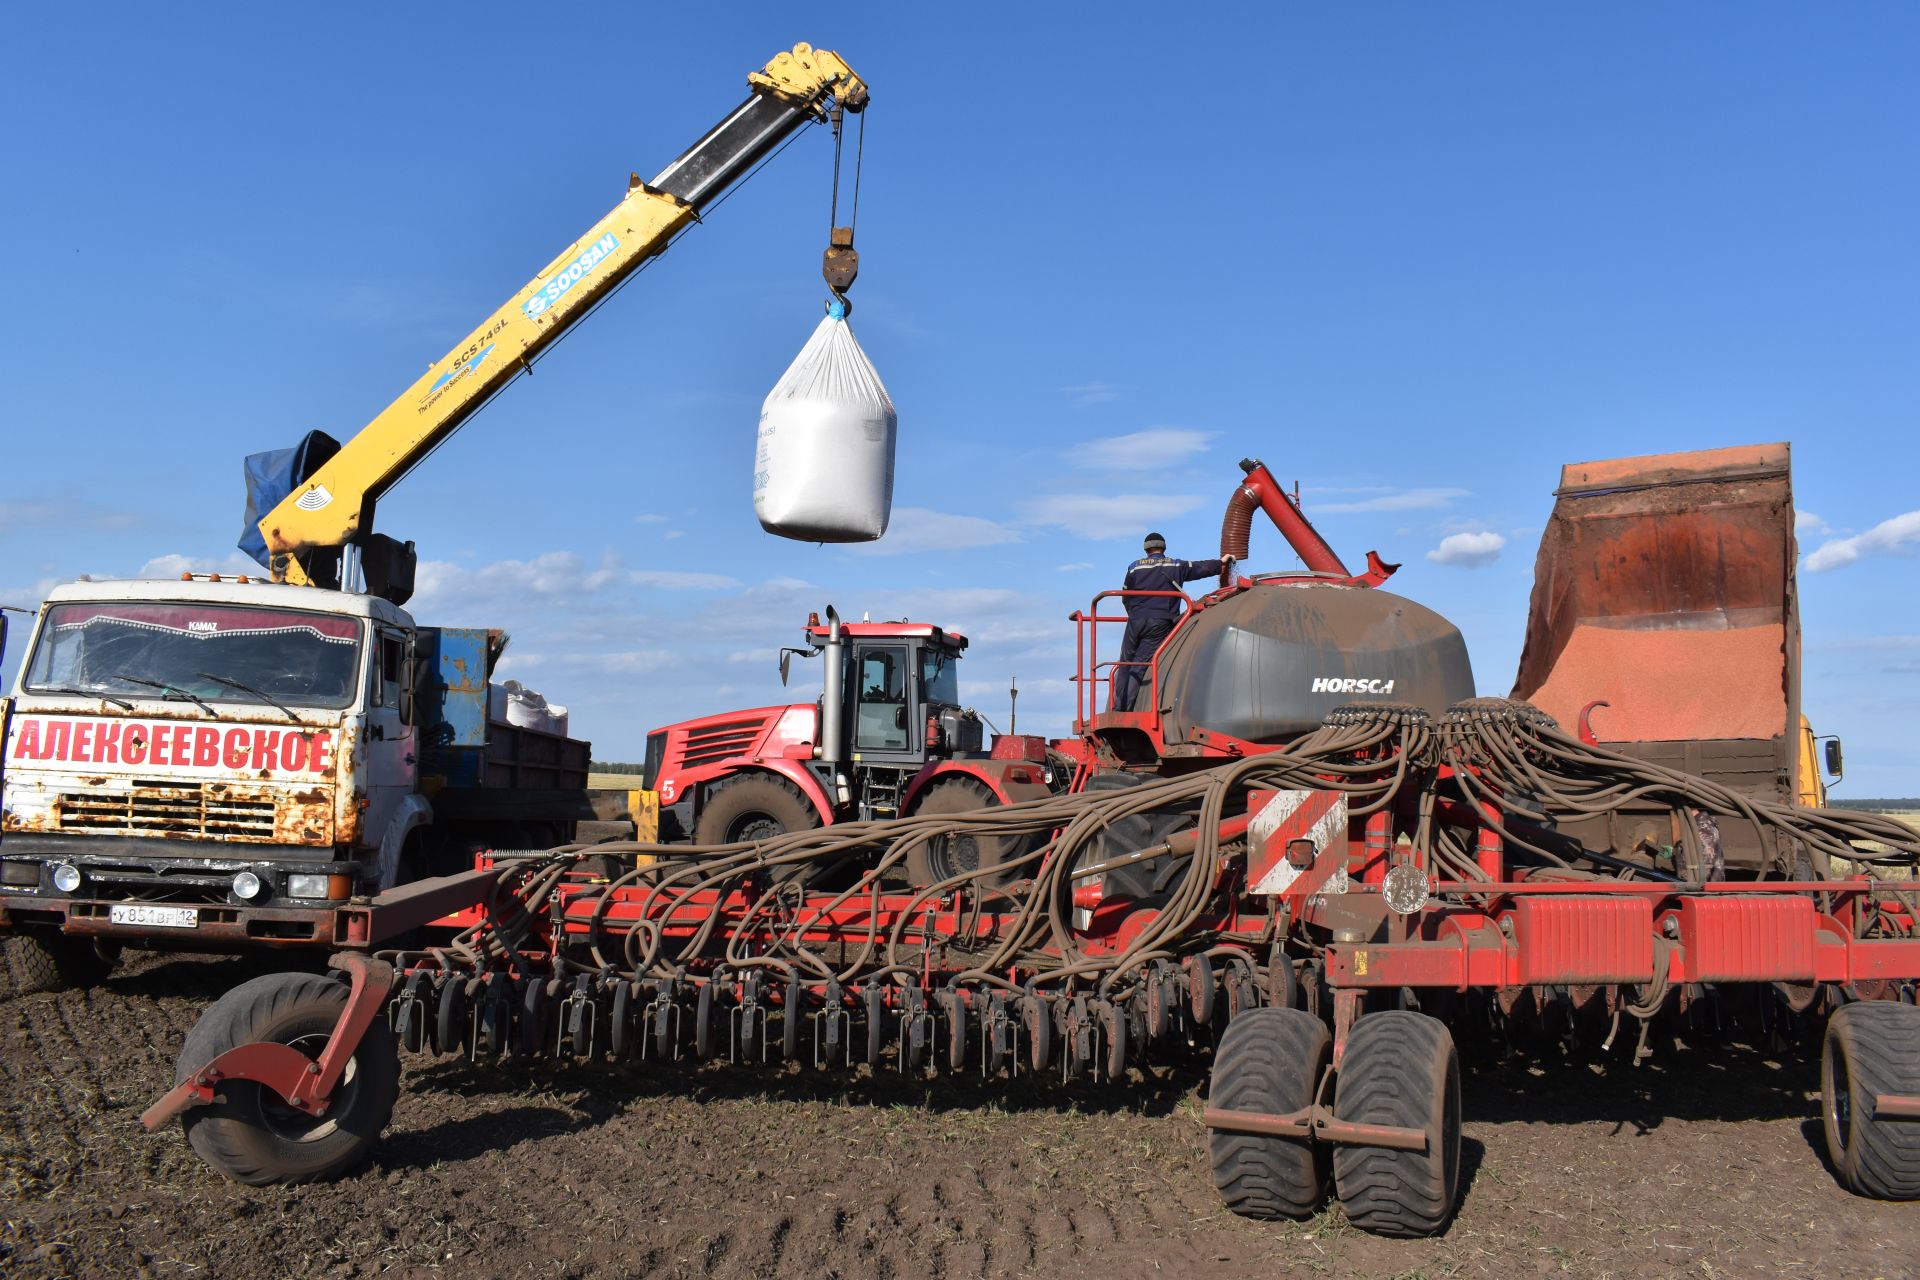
(66, 877)
(247, 885)
(307, 886)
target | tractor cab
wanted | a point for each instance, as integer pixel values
(897, 687)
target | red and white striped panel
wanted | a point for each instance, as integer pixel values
(1286, 816)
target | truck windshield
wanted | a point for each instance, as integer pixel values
(939, 677)
(291, 656)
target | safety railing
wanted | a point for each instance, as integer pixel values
(1089, 673)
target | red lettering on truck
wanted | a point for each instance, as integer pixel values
(197, 746)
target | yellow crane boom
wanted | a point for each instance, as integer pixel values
(333, 507)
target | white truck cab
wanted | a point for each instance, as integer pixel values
(213, 763)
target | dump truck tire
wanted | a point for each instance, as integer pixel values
(753, 806)
(947, 856)
(1400, 1069)
(1269, 1061)
(54, 962)
(250, 1135)
(1872, 1049)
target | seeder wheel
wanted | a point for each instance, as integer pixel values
(251, 1135)
(1270, 1061)
(1400, 1070)
(1872, 1050)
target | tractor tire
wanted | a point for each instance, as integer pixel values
(944, 857)
(1400, 1069)
(54, 962)
(1872, 1048)
(753, 806)
(250, 1135)
(1270, 1061)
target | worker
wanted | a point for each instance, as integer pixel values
(1151, 618)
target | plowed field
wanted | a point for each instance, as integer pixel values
(1702, 1163)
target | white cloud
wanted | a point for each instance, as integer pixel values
(1391, 500)
(1109, 515)
(1092, 393)
(649, 518)
(1076, 566)
(1805, 522)
(1149, 450)
(920, 529)
(1468, 550)
(1896, 536)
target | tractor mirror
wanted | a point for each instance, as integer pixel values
(786, 666)
(1836, 761)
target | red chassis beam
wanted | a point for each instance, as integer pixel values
(1628, 932)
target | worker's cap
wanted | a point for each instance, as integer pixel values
(1156, 543)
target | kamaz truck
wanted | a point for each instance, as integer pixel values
(212, 764)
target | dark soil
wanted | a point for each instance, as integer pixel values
(1705, 1162)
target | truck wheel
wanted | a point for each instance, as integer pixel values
(753, 806)
(250, 1134)
(1270, 1060)
(944, 857)
(1872, 1049)
(55, 962)
(1400, 1069)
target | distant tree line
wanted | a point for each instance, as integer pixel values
(611, 766)
(1879, 804)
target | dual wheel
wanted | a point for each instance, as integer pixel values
(1400, 1070)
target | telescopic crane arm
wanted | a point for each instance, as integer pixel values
(334, 506)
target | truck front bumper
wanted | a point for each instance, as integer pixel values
(193, 875)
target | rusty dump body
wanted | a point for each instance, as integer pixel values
(1664, 588)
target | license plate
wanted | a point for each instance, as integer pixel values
(164, 917)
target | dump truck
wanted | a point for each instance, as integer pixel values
(1664, 624)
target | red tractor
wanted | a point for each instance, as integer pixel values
(888, 738)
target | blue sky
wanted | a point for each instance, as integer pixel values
(1414, 256)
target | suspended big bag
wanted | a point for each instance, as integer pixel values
(823, 471)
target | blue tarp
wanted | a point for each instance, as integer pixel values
(271, 476)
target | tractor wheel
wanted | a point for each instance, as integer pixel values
(1400, 1069)
(1872, 1049)
(55, 962)
(944, 857)
(753, 806)
(1270, 1061)
(250, 1134)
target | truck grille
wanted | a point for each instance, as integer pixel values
(167, 809)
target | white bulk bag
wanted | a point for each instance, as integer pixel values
(823, 470)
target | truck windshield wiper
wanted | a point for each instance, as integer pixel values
(172, 691)
(84, 693)
(247, 688)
